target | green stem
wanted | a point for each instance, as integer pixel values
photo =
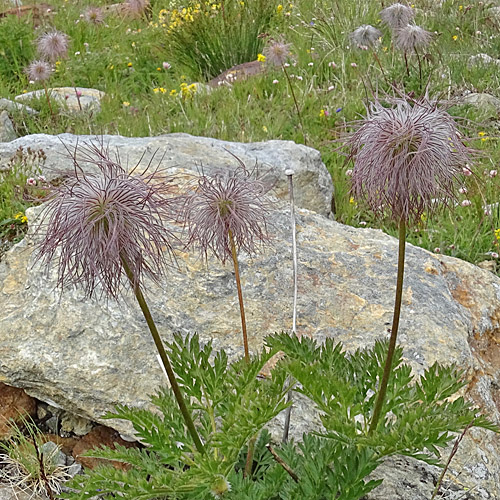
(48, 100)
(394, 330)
(249, 462)
(240, 295)
(299, 116)
(164, 357)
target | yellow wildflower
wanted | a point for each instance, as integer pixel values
(261, 58)
(173, 92)
(322, 113)
(129, 64)
(497, 234)
(156, 90)
(455, 37)
(126, 104)
(481, 134)
(264, 128)
(279, 8)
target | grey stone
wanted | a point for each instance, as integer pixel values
(482, 59)
(484, 102)
(7, 132)
(313, 188)
(75, 425)
(87, 355)
(11, 493)
(51, 449)
(74, 99)
(8, 105)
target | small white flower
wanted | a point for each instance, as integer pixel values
(299, 78)
(275, 82)
(466, 203)
(311, 64)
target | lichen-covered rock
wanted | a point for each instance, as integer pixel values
(313, 188)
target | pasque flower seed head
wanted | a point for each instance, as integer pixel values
(53, 45)
(39, 71)
(236, 202)
(405, 157)
(397, 15)
(411, 37)
(365, 36)
(102, 218)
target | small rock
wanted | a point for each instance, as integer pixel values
(99, 436)
(8, 105)
(483, 102)
(489, 265)
(76, 100)
(75, 425)
(7, 132)
(482, 59)
(238, 73)
(51, 449)
(15, 405)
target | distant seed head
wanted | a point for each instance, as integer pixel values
(94, 15)
(366, 36)
(406, 157)
(277, 53)
(235, 202)
(411, 37)
(397, 15)
(53, 45)
(39, 71)
(99, 219)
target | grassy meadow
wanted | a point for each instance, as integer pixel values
(154, 64)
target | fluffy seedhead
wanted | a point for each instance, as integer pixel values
(406, 158)
(397, 15)
(99, 219)
(411, 38)
(277, 53)
(94, 15)
(39, 71)
(53, 45)
(366, 36)
(235, 202)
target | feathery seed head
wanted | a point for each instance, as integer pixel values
(101, 218)
(405, 157)
(94, 15)
(397, 15)
(53, 45)
(277, 53)
(366, 36)
(411, 37)
(39, 71)
(235, 202)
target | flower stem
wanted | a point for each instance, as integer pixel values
(394, 330)
(296, 103)
(164, 357)
(48, 99)
(240, 296)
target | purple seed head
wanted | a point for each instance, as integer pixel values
(411, 37)
(39, 71)
(397, 15)
(366, 36)
(94, 15)
(406, 157)
(235, 202)
(102, 218)
(53, 45)
(277, 53)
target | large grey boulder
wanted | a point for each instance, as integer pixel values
(87, 355)
(313, 188)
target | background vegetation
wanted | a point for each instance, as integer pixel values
(147, 65)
